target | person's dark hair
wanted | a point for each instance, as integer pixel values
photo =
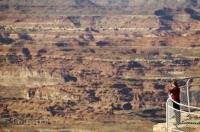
(175, 83)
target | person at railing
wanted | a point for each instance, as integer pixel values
(174, 93)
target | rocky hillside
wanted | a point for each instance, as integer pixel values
(72, 60)
(91, 7)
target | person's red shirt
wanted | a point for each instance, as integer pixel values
(175, 94)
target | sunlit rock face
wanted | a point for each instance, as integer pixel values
(26, 77)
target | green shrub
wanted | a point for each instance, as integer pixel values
(12, 58)
(2, 58)
(26, 53)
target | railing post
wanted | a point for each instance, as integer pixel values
(167, 115)
(188, 95)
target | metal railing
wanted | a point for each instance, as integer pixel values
(182, 117)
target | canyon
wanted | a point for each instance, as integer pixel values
(69, 63)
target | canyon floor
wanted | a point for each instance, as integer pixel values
(81, 65)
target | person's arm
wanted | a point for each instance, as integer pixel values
(170, 89)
